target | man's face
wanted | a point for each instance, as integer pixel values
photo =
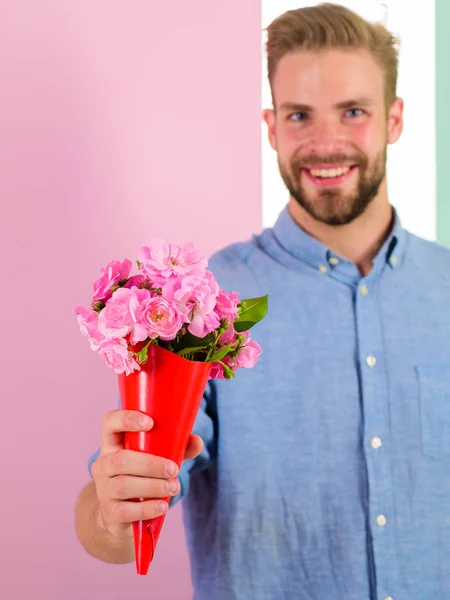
(330, 130)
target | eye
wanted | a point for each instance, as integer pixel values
(297, 116)
(354, 112)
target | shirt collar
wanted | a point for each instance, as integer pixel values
(301, 245)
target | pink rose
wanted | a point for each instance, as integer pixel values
(116, 355)
(88, 322)
(247, 356)
(195, 298)
(114, 272)
(119, 317)
(162, 261)
(135, 280)
(159, 318)
(227, 305)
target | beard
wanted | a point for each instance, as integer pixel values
(332, 206)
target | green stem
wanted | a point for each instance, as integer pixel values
(214, 345)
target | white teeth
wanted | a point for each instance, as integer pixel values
(329, 173)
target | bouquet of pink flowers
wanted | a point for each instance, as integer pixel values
(165, 331)
(174, 302)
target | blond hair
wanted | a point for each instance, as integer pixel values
(328, 26)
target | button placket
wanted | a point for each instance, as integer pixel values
(376, 425)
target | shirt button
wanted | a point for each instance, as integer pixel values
(376, 443)
(389, 598)
(381, 520)
(323, 269)
(371, 361)
(333, 260)
(394, 260)
(363, 290)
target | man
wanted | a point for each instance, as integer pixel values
(325, 471)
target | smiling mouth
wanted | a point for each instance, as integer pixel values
(335, 175)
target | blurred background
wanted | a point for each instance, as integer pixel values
(120, 121)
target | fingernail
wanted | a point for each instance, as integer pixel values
(162, 507)
(144, 420)
(171, 469)
(173, 486)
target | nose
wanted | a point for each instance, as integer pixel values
(326, 137)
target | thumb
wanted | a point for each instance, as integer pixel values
(195, 446)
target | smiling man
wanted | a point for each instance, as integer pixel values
(325, 470)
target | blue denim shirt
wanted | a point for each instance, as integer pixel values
(326, 470)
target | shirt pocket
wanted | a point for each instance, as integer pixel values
(434, 406)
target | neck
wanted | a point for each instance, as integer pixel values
(358, 241)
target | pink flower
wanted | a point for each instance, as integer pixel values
(116, 355)
(216, 371)
(227, 305)
(247, 356)
(111, 275)
(162, 261)
(119, 317)
(228, 336)
(136, 280)
(195, 298)
(88, 322)
(159, 318)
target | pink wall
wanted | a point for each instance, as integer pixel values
(118, 121)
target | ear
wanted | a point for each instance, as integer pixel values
(395, 120)
(269, 118)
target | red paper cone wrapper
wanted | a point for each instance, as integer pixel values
(168, 388)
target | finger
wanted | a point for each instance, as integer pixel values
(195, 446)
(141, 464)
(125, 487)
(129, 512)
(116, 422)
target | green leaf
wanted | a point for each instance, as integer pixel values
(192, 343)
(251, 311)
(221, 353)
(187, 351)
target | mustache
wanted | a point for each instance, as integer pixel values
(337, 158)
